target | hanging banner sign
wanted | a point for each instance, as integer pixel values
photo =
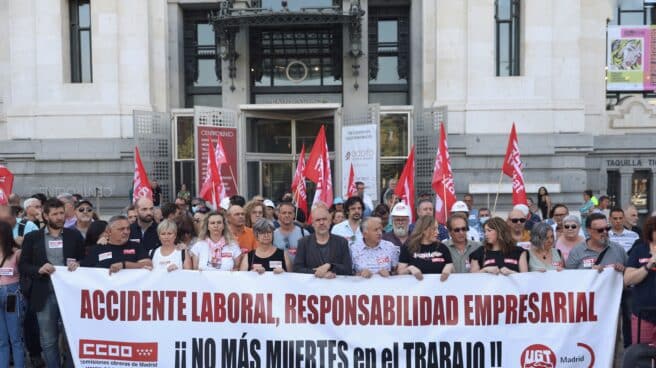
(228, 171)
(630, 58)
(138, 318)
(359, 147)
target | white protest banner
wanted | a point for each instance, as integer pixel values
(183, 319)
(359, 143)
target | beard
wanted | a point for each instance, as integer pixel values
(401, 231)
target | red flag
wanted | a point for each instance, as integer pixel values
(6, 184)
(213, 190)
(220, 153)
(351, 189)
(141, 185)
(318, 170)
(298, 184)
(405, 189)
(512, 167)
(445, 192)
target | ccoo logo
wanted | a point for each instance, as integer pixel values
(118, 350)
(538, 356)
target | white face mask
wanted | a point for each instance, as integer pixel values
(483, 220)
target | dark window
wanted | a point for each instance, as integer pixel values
(389, 54)
(634, 12)
(80, 20)
(296, 60)
(506, 17)
(296, 5)
(202, 65)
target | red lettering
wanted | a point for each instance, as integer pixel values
(511, 309)
(468, 310)
(560, 300)
(290, 309)
(85, 304)
(591, 311)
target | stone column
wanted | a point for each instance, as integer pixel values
(626, 173)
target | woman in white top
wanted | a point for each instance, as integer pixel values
(216, 250)
(168, 256)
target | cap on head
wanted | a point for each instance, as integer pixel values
(83, 201)
(338, 200)
(459, 206)
(269, 203)
(401, 210)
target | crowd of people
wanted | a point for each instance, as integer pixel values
(349, 237)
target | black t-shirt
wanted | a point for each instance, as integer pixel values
(149, 240)
(430, 258)
(270, 263)
(644, 293)
(486, 257)
(103, 256)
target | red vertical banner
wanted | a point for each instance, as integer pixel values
(228, 168)
(512, 167)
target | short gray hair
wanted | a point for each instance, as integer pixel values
(115, 219)
(539, 233)
(167, 225)
(68, 197)
(263, 225)
(572, 218)
(364, 223)
(31, 202)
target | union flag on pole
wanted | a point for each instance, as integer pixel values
(512, 167)
(318, 170)
(298, 184)
(141, 185)
(351, 189)
(6, 184)
(213, 190)
(442, 183)
(405, 189)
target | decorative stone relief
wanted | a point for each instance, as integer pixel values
(633, 112)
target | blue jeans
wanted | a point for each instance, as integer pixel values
(50, 326)
(11, 331)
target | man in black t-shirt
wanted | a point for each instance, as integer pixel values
(119, 252)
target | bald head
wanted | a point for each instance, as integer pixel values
(144, 207)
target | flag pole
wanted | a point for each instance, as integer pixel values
(494, 210)
(233, 178)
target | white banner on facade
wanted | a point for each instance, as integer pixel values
(240, 319)
(360, 148)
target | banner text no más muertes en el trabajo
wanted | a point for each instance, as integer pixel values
(241, 319)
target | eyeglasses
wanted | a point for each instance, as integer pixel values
(459, 229)
(85, 209)
(265, 233)
(568, 227)
(602, 230)
(518, 220)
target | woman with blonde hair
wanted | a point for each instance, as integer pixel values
(499, 253)
(423, 253)
(216, 250)
(168, 256)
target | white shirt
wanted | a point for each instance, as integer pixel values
(344, 230)
(626, 238)
(163, 262)
(223, 260)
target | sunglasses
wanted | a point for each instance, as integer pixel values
(459, 229)
(602, 230)
(568, 227)
(85, 209)
(518, 220)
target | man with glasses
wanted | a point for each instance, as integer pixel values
(460, 246)
(598, 251)
(473, 232)
(84, 215)
(287, 235)
(618, 233)
(516, 220)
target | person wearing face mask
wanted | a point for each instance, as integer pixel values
(483, 216)
(400, 223)
(459, 244)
